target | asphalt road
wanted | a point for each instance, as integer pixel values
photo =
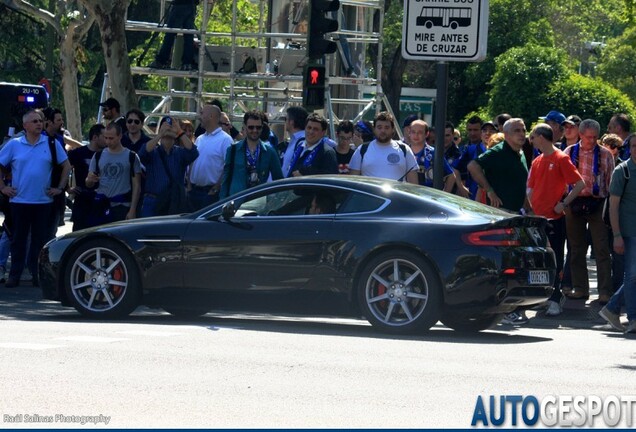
(258, 371)
(153, 370)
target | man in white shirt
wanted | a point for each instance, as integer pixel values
(384, 157)
(207, 169)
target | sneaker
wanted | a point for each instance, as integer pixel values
(554, 309)
(631, 327)
(515, 318)
(612, 319)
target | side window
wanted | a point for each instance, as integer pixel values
(361, 203)
(294, 202)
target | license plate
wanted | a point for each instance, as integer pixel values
(538, 277)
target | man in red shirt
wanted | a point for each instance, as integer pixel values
(550, 175)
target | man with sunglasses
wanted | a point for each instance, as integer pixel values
(31, 194)
(552, 172)
(134, 137)
(251, 161)
(111, 112)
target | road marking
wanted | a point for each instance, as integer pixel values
(28, 346)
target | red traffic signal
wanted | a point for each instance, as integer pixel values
(314, 86)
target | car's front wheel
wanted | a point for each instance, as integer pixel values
(471, 324)
(102, 281)
(399, 292)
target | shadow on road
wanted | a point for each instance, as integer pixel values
(26, 304)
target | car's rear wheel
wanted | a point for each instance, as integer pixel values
(399, 292)
(474, 324)
(102, 280)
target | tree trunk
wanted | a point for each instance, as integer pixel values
(111, 19)
(70, 39)
(70, 89)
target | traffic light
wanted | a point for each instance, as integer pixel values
(319, 24)
(314, 84)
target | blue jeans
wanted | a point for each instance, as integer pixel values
(5, 248)
(626, 295)
(199, 197)
(148, 206)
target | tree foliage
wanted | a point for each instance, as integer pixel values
(588, 97)
(615, 61)
(523, 78)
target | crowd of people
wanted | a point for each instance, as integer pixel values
(562, 170)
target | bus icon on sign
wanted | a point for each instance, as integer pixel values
(444, 17)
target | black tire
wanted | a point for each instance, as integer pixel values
(108, 289)
(474, 324)
(399, 293)
(186, 312)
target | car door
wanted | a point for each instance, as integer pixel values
(270, 244)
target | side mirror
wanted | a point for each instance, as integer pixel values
(228, 211)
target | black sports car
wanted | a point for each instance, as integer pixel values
(401, 255)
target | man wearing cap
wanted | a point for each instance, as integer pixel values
(111, 112)
(620, 125)
(570, 132)
(406, 128)
(554, 119)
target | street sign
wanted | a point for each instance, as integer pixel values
(445, 30)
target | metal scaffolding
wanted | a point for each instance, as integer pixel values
(278, 48)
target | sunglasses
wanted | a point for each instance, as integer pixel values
(254, 127)
(135, 121)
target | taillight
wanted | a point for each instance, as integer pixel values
(493, 237)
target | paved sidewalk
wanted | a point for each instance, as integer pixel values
(576, 313)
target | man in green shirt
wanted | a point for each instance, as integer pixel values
(502, 170)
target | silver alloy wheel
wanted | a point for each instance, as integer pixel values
(99, 279)
(396, 292)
